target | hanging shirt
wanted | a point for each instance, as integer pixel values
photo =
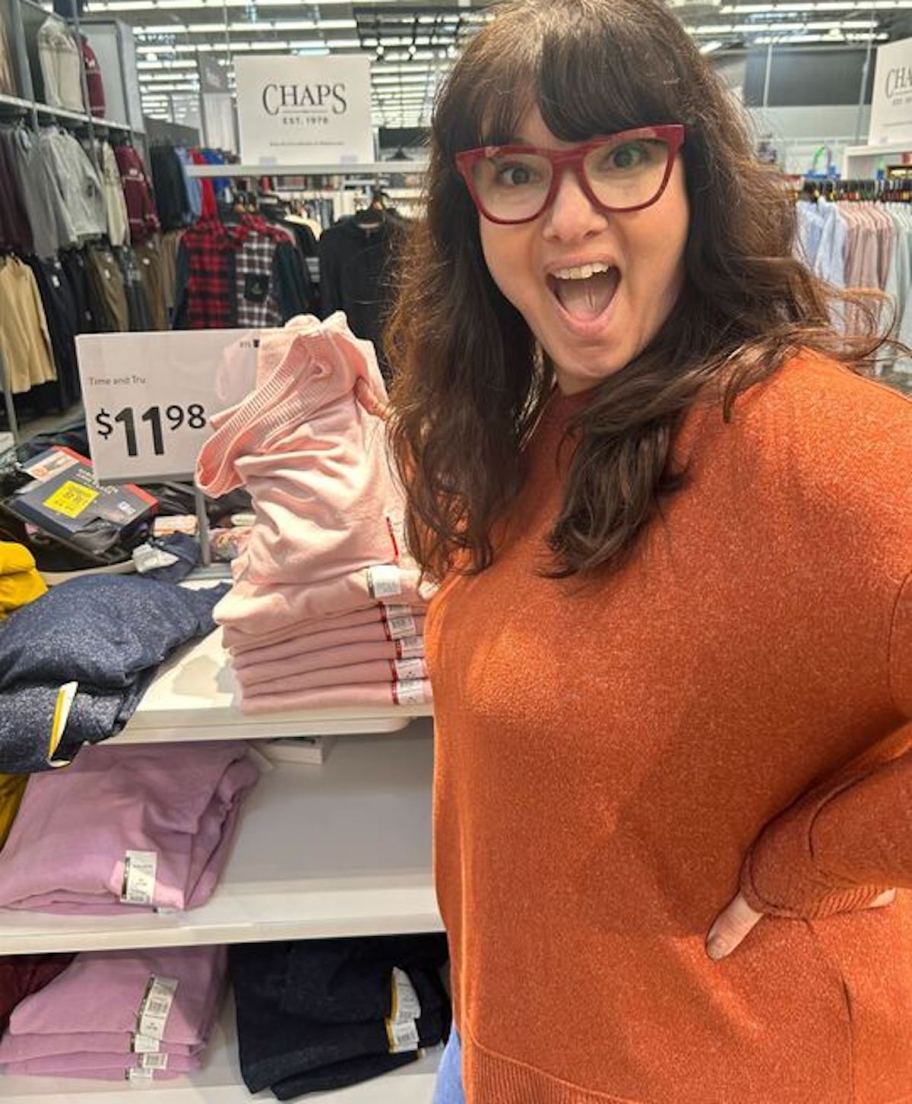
(115, 204)
(60, 59)
(78, 182)
(51, 226)
(24, 340)
(137, 190)
(94, 81)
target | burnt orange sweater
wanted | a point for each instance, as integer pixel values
(614, 759)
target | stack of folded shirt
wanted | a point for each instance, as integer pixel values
(323, 1014)
(108, 634)
(22, 975)
(145, 826)
(310, 610)
(20, 583)
(143, 1015)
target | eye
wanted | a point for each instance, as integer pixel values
(515, 175)
(629, 156)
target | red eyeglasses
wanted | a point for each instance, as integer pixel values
(618, 172)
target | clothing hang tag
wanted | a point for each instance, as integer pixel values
(55, 280)
(156, 1007)
(256, 287)
(406, 1007)
(399, 627)
(384, 581)
(410, 647)
(402, 1037)
(412, 692)
(147, 261)
(143, 1044)
(140, 1076)
(107, 273)
(409, 669)
(62, 707)
(138, 887)
(390, 612)
(153, 1061)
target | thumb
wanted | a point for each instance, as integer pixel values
(731, 928)
(886, 898)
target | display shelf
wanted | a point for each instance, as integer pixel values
(861, 161)
(194, 697)
(341, 849)
(61, 113)
(371, 168)
(15, 101)
(220, 1083)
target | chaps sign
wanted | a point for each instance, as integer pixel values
(304, 110)
(891, 105)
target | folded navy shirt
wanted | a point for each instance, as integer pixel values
(109, 634)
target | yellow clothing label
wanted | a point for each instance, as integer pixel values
(62, 707)
(12, 787)
(70, 499)
(15, 558)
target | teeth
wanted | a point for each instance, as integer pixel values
(581, 272)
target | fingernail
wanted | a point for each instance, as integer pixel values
(716, 948)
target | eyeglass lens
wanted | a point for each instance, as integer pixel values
(622, 173)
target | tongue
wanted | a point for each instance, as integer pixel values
(586, 299)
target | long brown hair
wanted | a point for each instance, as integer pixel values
(471, 379)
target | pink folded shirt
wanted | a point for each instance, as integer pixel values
(277, 610)
(367, 632)
(102, 992)
(67, 848)
(380, 670)
(341, 697)
(240, 642)
(314, 461)
(388, 652)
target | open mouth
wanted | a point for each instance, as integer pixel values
(586, 299)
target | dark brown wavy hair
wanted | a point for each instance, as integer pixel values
(471, 378)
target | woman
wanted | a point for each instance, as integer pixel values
(672, 645)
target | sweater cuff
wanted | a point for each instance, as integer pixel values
(780, 876)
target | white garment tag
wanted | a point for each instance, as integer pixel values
(409, 669)
(398, 627)
(147, 557)
(384, 581)
(406, 1005)
(138, 886)
(395, 610)
(143, 1044)
(153, 1061)
(55, 280)
(411, 692)
(410, 647)
(140, 1076)
(156, 1007)
(402, 1037)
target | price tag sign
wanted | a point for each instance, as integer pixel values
(149, 397)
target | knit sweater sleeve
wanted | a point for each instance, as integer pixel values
(843, 844)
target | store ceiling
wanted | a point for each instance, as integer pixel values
(413, 45)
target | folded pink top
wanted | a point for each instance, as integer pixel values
(380, 670)
(368, 632)
(314, 461)
(341, 697)
(275, 610)
(102, 992)
(387, 652)
(97, 1065)
(238, 642)
(24, 1048)
(68, 845)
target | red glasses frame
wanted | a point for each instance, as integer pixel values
(573, 158)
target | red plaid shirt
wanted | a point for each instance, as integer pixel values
(211, 247)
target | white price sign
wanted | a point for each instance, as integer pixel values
(891, 102)
(149, 396)
(295, 110)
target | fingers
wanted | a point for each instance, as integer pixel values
(368, 399)
(731, 928)
(886, 898)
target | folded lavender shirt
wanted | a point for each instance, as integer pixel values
(101, 992)
(67, 848)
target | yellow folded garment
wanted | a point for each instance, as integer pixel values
(12, 787)
(19, 589)
(15, 558)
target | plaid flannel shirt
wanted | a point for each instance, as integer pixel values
(211, 253)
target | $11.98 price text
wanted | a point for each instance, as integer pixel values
(156, 422)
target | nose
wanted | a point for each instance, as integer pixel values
(572, 217)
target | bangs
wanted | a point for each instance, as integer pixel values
(588, 75)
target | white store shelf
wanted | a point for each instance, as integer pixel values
(343, 849)
(372, 168)
(220, 1083)
(15, 101)
(194, 697)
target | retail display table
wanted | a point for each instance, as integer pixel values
(194, 697)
